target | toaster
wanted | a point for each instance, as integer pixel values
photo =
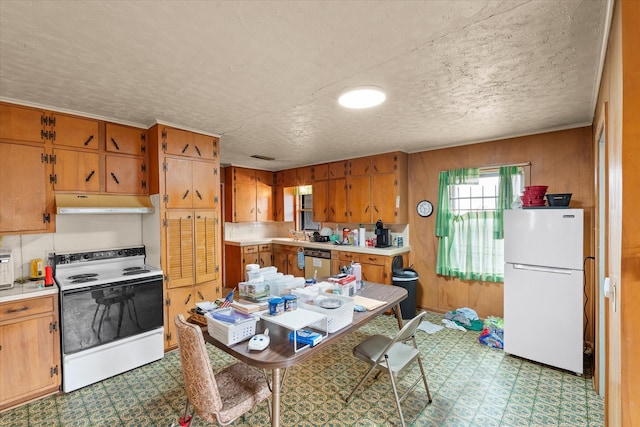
(6, 270)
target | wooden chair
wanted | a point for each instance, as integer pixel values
(222, 397)
(392, 355)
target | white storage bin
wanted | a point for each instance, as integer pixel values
(230, 334)
(337, 318)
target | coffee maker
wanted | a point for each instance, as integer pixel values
(383, 237)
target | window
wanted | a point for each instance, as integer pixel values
(469, 221)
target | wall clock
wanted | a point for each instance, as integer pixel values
(424, 208)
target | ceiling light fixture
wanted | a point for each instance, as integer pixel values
(362, 97)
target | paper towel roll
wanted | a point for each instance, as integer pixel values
(362, 241)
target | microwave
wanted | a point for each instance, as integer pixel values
(6, 270)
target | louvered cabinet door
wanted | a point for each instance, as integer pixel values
(207, 268)
(180, 249)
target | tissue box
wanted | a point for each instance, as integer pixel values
(254, 291)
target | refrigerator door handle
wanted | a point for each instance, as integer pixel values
(542, 269)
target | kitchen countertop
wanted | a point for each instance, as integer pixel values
(27, 290)
(390, 251)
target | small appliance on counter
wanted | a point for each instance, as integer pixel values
(6, 270)
(383, 237)
(37, 269)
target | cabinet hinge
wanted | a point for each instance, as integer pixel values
(143, 184)
(53, 326)
(217, 269)
(215, 171)
(53, 159)
(168, 335)
(46, 217)
(165, 198)
(43, 120)
(166, 279)
(52, 121)
(165, 167)
(167, 302)
(164, 136)
(215, 199)
(216, 222)
(143, 137)
(53, 371)
(165, 223)
(395, 183)
(44, 158)
(143, 167)
(143, 148)
(53, 179)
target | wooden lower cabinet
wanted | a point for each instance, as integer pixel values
(178, 301)
(238, 257)
(29, 349)
(285, 259)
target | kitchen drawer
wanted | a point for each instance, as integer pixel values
(26, 307)
(349, 256)
(250, 249)
(372, 259)
(264, 248)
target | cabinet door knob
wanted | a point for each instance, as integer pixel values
(115, 178)
(115, 144)
(185, 195)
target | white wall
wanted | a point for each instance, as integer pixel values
(74, 233)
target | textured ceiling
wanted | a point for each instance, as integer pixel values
(266, 76)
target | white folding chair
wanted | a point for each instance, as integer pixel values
(392, 355)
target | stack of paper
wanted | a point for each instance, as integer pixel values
(250, 307)
(368, 303)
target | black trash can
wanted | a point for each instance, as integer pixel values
(408, 279)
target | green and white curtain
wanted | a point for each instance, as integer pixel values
(470, 244)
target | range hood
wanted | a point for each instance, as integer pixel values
(102, 204)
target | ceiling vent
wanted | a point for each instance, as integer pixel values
(258, 156)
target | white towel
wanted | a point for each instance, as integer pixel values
(429, 327)
(453, 325)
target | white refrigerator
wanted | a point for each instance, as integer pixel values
(543, 286)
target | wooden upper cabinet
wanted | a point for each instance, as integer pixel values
(23, 194)
(176, 141)
(385, 200)
(125, 140)
(338, 169)
(125, 175)
(180, 142)
(384, 163)
(205, 147)
(264, 177)
(320, 172)
(303, 176)
(77, 132)
(359, 196)
(178, 183)
(287, 178)
(264, 195)
(22, 124)
(321, 201)
(75, 170)
(337, 204)
(360, 166)
(205, 184)
(243, 175)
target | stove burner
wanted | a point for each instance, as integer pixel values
(85, 279)
(133, 268)
(136, 271)
(82, 276)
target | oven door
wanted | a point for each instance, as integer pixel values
(96, 315)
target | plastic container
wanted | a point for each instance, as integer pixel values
(559, 199)
(276, 306)
(290, 302)
(337, 318)
(252, 271)
(228, 333)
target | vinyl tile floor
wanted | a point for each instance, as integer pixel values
(471, 385)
